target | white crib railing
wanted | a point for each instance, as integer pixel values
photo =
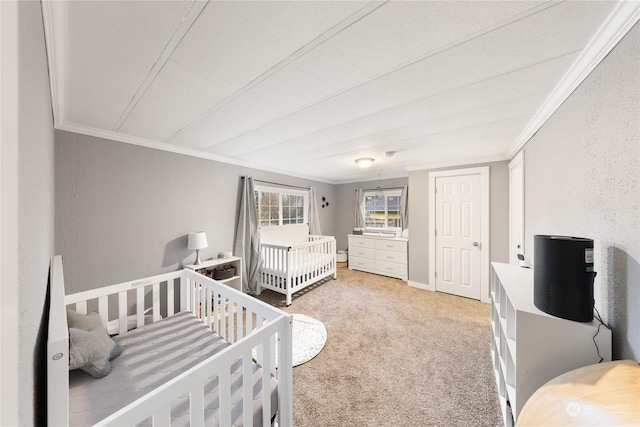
(288, 269)
(245, 322)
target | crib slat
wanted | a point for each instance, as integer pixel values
(156, 302)
(81, 307)
(224, 393)
(196, 404)
(266, 382)
(140, 306)
(122, 311)
(162, 417)
(170, 298)
(247, 389)
(103, 309)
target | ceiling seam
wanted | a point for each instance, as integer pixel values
(297, 54)
(433, 135)
(369, 135)
(431, 95)
(449, 46)
(178, 34)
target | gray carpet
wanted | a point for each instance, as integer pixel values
(395, 356)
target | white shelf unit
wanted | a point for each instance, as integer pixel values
(206, 268)
(530, 347)
(379, 255)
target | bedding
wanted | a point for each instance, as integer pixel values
(151, 356)
(90, 347)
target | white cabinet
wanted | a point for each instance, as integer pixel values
(379, 255)
(530, 347)
(208, 269)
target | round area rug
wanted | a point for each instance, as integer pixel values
(309, 336)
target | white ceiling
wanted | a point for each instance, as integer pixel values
(306, 87)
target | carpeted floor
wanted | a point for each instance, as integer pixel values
(395, 356)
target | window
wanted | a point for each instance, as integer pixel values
(280, 206)
(382, 209)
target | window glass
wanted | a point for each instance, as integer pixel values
(277, 207)
(382, 210)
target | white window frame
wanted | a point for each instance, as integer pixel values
(280, 191)
(386, 193)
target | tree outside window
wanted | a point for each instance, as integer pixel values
(277, 207)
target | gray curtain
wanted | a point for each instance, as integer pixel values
(247, 240)
(404, 207)
(359, 214)
(314, 218)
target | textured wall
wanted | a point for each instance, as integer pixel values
(123, 211)
(28, 138)
(346, 205)
(582, 178)
(419, 218)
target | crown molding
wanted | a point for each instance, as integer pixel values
(142, 142)
(625, 15)
(466, 162)
(54, 18)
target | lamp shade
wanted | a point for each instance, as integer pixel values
(197, 240)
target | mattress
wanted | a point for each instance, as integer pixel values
(302, 262)
(153, 355)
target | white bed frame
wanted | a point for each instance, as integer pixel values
(270, 335)
(293, 259)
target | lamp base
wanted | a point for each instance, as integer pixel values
(197, 262)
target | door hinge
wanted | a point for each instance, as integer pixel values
(435, 274)
(435, 232)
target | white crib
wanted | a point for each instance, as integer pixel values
(216, 389)
(292, 259)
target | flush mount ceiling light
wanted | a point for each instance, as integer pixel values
(365, 162)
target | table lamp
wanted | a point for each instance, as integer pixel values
(197, 241)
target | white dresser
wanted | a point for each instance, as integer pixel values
(379, 255)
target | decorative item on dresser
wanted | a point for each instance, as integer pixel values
(530, 347)
(219, 269)
(380, 255)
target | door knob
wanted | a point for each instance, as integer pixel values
(476, 244)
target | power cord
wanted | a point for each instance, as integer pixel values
(599, 319)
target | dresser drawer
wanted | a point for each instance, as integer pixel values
(355, 262)
(361, 242)
(391, 245)
(390, 256)
(359, 252)
(391, 268)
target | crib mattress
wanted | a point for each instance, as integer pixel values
(300, 265)
(153, 355)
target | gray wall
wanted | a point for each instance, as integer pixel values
(27, 221)
(419, 218)
(582, 178)
(124, 211)
(346, 205)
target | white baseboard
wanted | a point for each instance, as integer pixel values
(418, 285)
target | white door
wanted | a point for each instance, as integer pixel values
(516, 208)
(457, 234)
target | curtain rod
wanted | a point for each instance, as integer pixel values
(381, 189)
(282, 185)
